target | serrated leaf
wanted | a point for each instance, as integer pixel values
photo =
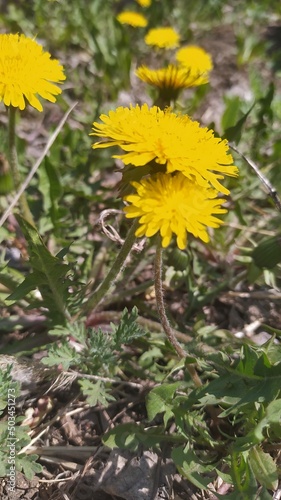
(95, 392)
(264, 468)
(127, 330)
(29, 466)
(49, 274)
(160, 398)
(61, 354)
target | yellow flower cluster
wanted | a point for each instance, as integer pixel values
(185, 162)
(192, 70)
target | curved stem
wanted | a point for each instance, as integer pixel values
(163, 317)
(13, 161)
(116, 268)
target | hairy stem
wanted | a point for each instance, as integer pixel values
(163, 316)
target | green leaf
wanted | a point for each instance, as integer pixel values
(263, 494)
(56, 189)
(7, 383)
(189, 466)
(49, 274)
(264, 468)
(272, 349)
(133, 435)
(61, 354)
(234, 133)
(95, 392)
(29, 466)
(272, 416)
(11, 279)
(268, 253)
(231, 112)
(128, 329)
(264, 368)
(243, 477)
(248, 360)
(123, 436)
(273, 411)
(159, 400)
(52, 190)
(226, 477)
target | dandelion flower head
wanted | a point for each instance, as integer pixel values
(163, 38)
(170, 78)
(132, 18)
(172, 204)
(144, 3)
(177, 142)
(197, 61)
(27, 71)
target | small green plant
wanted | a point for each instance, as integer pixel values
(13, 436)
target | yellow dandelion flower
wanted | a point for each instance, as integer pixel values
(172, 140)
(144, 3)
(164, 38)
(197, 61)
(132, 18)
(26, 70)
(170, 78)
(172, 204)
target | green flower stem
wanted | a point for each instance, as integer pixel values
(116, 268)
(13, 161)
(165, 100)
(163, 316)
